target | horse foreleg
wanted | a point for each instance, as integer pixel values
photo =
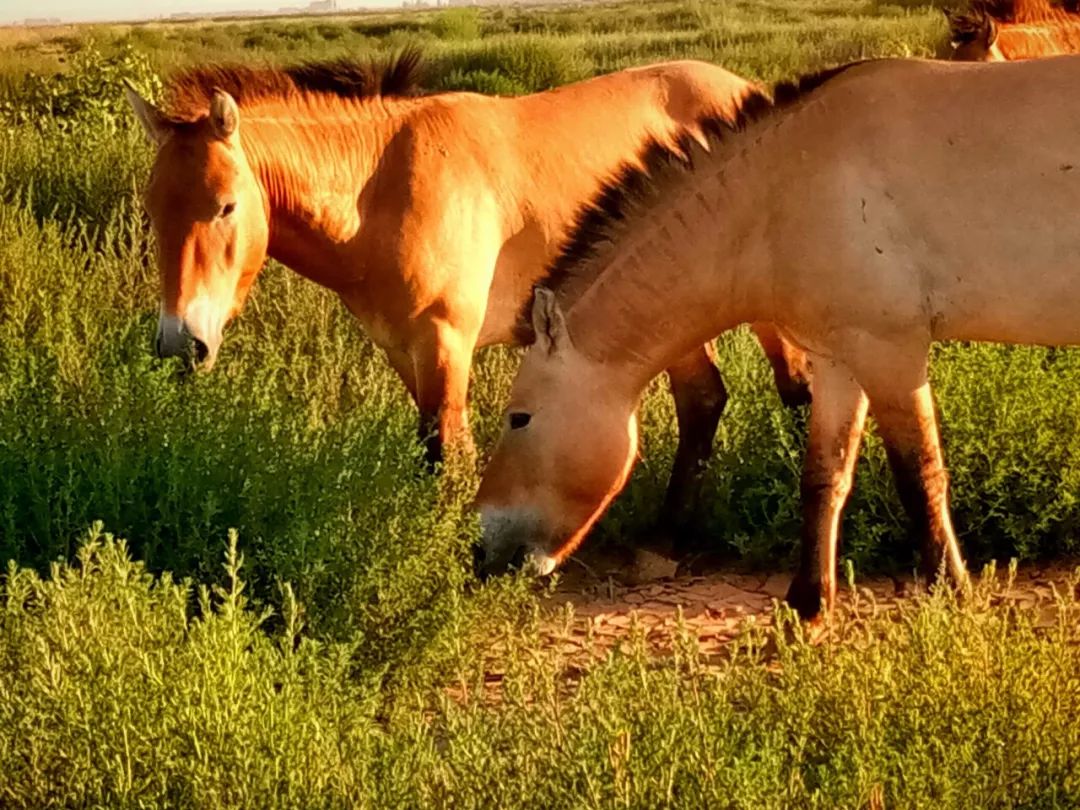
(837, 417)
(788, 363)
(700, 398)
(908, 427)
(442, 357)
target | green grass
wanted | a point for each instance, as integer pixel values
(119, 690)
(765, 40)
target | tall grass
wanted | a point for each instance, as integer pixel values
(765, 41)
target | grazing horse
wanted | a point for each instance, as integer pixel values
(1006, 32)
(868, 211)
(430, 216)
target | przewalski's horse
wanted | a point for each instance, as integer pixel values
(431, 217)
(1007, 32)
(875, 209)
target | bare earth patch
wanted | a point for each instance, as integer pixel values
(595, 606)
(607, 599)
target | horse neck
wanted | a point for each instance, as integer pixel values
(683, 270)
(312, 160)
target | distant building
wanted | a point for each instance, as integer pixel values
(32, 22)
(322, 6)
(180, 16)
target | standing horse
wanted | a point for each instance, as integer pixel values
(431, 217)
(874, 209)
(1005, 32)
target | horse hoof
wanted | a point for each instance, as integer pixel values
(805, 599)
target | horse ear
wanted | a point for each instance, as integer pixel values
(153, 122)
(224, 115)
(548, 322)
(989, 31)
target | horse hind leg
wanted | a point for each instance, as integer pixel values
(789, 365)
(907, 423)
(700, 398)
(837, 418)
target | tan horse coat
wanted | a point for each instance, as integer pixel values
(886, 206)
(432, 217)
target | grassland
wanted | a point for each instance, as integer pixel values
(320, 682)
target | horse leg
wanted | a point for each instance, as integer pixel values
(700, 398)
(908, 427)
(788, 363)
(837, 416)
(442, 358)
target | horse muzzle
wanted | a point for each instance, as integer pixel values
(510, 542)
(175, 339)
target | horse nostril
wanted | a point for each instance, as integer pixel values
(517, 562)
(201, 350)
(157, 346)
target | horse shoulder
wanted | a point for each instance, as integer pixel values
(447, 171)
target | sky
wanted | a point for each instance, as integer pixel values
(89, 10)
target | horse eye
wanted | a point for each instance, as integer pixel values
(519, 420)
(228, 208)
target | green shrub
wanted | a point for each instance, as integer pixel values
(531, 63)
(104, 664)
(457, 24)
(119, 690)
(489, 82)
(325, 487)
(90, 91)
(46, 168)
(331, 32)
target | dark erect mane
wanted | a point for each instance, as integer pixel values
(188, 93)
(601, 221)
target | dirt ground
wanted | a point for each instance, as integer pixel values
(608, 596)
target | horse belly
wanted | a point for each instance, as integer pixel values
(990, 255)
(1037, 305)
